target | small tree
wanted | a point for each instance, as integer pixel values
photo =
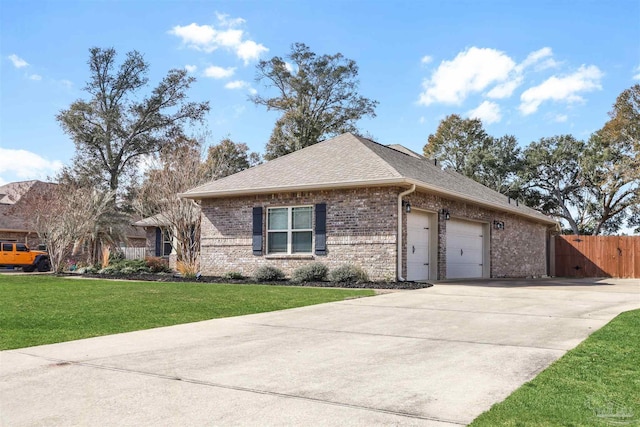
(175, 171)
(228, 157)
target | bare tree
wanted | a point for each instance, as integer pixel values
(175, 171)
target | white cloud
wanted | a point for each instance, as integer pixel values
(488, 112)
(637, 76)
(236, 84)
(17, 61)
(250, 51)
(226, 35)
(36, 77)
(421, 120)
(240, 84)
(218, 72)
(505, 90)
(288, 66)
(426, 59)
(191, 68)
(26, 165)
(562, 89)
(469, 72)
(535, 57)
(478, 69)
(560, 118)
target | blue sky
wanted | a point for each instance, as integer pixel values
(531, 69)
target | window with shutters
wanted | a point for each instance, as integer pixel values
(290, 230)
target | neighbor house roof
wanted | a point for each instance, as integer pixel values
(158, 220)
(349, 161)
(17, 201)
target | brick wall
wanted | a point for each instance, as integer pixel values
(519, 250)
(361, 229)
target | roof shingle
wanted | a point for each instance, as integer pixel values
(351, 161)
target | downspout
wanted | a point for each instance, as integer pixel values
(400, 196)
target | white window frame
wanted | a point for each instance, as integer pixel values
(166, 239)
(289, 230)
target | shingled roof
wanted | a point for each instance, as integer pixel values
(349, 161)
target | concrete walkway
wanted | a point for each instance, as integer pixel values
(434, 357)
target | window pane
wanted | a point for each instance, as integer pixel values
(301, 242)
(7, 247)
(21, 247)
(278, 219)
(301, 218)
(277, 243)
(167, 249)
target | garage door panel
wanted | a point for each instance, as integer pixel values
(465, 250)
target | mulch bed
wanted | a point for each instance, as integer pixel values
(213, 279)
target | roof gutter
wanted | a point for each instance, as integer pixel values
(293, 188)
(399, 239)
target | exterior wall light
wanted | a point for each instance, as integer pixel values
(445, 213)
(407, 207)
(498, 225)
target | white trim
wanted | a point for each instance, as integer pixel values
(289, 230)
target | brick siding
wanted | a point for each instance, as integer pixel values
(362, 230)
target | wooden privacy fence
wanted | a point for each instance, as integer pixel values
(597, 256)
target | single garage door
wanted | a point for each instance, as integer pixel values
(464, 249)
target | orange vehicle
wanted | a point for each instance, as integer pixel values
(14, 254)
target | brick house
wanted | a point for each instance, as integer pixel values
(17, 203)
(351, 200)
(158, 239)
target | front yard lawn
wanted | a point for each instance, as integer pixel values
(595, 384)
(41, 309)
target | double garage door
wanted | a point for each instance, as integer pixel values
(465, 249)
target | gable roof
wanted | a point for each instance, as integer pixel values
(348, 161)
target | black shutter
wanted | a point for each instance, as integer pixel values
(321, 229)
(257, 230)
(158, 241)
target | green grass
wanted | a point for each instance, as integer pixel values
(600, 375)
(38, 310)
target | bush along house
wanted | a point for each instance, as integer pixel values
(349, 200)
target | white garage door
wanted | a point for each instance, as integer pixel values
(464, 249)
(417, 246)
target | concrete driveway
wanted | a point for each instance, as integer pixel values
(435, 357)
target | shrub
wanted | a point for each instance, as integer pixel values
(267, 273)
(116, 256)
(128, 270)
(111, 269)
(187, 269)
(233, 275)
(313, 272)
(348, 273)
(87, 270)
(157, 264)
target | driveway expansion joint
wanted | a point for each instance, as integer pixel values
(407, 337)
(476, 311)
